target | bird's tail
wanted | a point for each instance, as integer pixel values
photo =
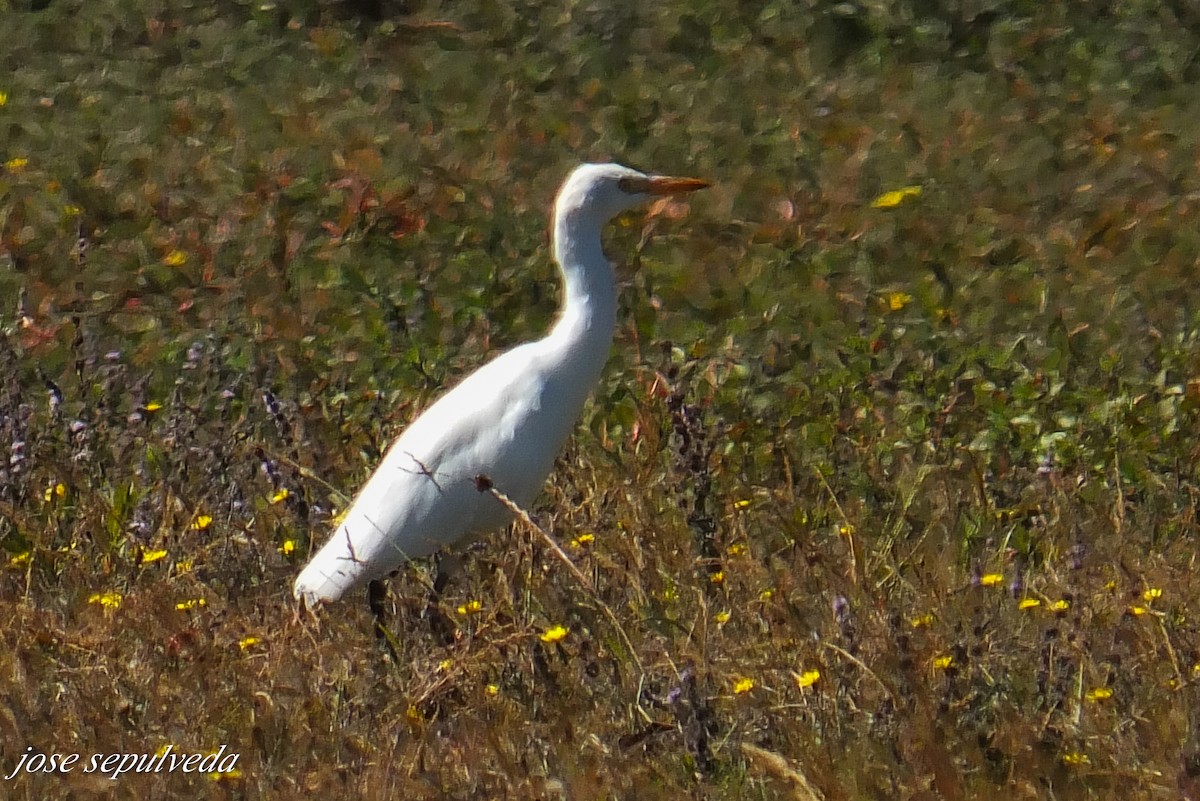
(333, 571)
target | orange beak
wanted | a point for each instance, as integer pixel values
(666, 185)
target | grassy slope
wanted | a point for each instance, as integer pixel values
(866, 415)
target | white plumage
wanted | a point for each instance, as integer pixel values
(507, 420)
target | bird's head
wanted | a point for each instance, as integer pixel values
(602, 191)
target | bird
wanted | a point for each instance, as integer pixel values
(507, 421)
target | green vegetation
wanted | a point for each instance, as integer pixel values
(892, 482)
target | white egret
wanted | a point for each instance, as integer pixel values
(507, 420)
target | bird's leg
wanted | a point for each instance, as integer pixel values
(448, 565)
(376, 596)
(376, 599)
(439, 622)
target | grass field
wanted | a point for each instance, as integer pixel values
(891, 483)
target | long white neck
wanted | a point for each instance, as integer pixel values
(584, 331)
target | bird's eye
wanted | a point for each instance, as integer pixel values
(627, 185)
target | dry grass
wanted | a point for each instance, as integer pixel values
(889, 492)
(931, 679)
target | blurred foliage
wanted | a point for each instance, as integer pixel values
(908, 399)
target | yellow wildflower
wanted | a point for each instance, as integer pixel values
(1099, 694)
(898, 300)
(150, 557)
(21, 559)
(176, 258)
(247, 642)
(191, 603)
(492, 689)
(742, 504)
(58, 490)
(152, 406)
(202, 522)
(845, 529)
(921, 621)
(743, 686)
(718, 577)
(890, 200)
(766, 595)
(445, 665)
(1137, 611)
(943, 662)
(1151, 595)
(3, 98)
(16, 164)
(555, 633)
(109, 600)
(183, 566)
(470, 607)
(807, 679)
(1029, 603)
(991, 579)
(72, 210)
(281, 495)
(1061, 605)
(232, 773)
(722, 618)
(287, 548)
(1076, 758)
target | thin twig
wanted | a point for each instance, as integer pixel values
(307, 473)
(1162, 627)
(484, 484)
(846, 525)
(778, 766)
(861, 665)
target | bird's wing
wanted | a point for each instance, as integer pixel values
(423, 495)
